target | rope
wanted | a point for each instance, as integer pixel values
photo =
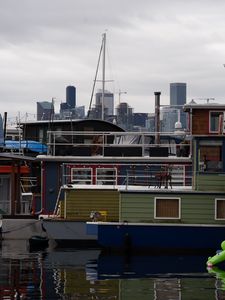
(22, 227)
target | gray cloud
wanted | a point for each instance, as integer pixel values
(46, 45)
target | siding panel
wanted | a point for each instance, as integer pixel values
(210, 182)
(195, 209)
(80, 203)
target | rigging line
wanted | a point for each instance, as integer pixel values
(114, 70)
(96, 74)
(21, 227)
(111, 71)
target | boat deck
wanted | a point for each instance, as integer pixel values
(126, 187)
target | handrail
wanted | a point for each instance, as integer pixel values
(100, 142)
(154, 175)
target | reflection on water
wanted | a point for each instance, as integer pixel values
(88, 274)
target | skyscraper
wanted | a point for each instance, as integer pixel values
(108, 102)
(71, 96)
(177, 94)
(125, 116)
(45, 110)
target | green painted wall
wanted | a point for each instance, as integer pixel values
(195, 208)
(210, 182)
(198, 208)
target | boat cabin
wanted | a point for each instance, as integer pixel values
(18, 184)
(207, 125)
(205, 119)
(95, 152)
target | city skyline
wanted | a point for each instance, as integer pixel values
(46, 46)
(69, 109)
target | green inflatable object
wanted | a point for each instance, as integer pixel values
(223, 245)
(218, 258)
(220, 274)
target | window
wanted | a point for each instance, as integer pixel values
(167, 208)
(219, 209)
(81, 175)
(106, 176)
(210, 156)
(214, 120)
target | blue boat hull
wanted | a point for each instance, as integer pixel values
(122, 236)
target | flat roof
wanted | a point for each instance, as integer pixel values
(207, 106)
(11, 156)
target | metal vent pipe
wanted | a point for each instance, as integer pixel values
(157, 118)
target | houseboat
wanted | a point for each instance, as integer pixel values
(18, 190)
(93, 166)
(175, 219)
(93, 159)
(128, 179)
(19, 187)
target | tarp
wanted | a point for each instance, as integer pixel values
(26, 144)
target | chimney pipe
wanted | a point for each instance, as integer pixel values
(5, 125)
(157, 117)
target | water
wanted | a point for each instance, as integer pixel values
(88, 274)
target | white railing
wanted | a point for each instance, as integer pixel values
(151, 175)
(27, 184)
(119, 143)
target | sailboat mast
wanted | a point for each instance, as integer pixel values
(103, 73)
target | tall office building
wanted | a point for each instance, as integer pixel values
(169, 117)
(125, 116)
(178, 97)
(45, 110)
(71, 97)
(68, 109)
(139, 119)
(178, 94)
(108, 103)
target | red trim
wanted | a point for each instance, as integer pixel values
(43, 187)
(93, 167)
(13, 169)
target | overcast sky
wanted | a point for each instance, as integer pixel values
(46, 45)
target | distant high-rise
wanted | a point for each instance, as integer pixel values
(139, 119)
(178, 94)
(71, 96)
(45, 110)
(125, 116)
(178, 97)
(108, 102)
